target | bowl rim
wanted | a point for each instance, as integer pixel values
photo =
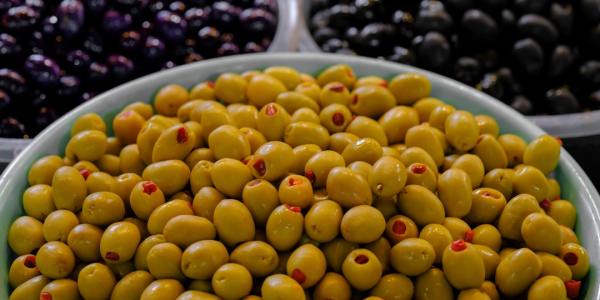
(573, 125)
(585, 189)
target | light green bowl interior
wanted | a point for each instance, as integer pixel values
(575, 185)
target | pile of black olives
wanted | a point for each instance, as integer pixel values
(539, 56)
(55, 55)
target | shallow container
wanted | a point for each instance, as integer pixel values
(576, 186)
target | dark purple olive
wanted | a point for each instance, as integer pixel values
(20, 18)
(376, 36)
(146, 28)
(194, 57)
(431, 4)
(153, 48)
(97, 73)
(68, 86)
(86, 96)
(492, 6)
(340, 16)
(252, 47)
(171, 26)
(594, 100)
(168, 65)
(433, 20)
(537, 28)
(228, 49)
(403, 56)
(130, 41)
(404, 22)
(177, 7)
(531, 6)
(560, 61)
(93, 44)
(6, 4)
(50, 26)
(457, 7)
(334, 45)
(42, 70)
(71, 17)
(258, 21)
(78, 61)
(522, 104)
(467, 70)
(37, 43)
(266, 42)
(12, 128)
(561, 101)
(562, 16)
(325, 33)
(589, 73)
(95, 7)
(120, 67)
(5, 101)
(9, 47)
(319, 19)
(115, 21)
(368, 11)
(491, 85)
(209, 37)
(44, 117)
(158, 5)
(478, 29)
(528, 55)
(38, 5)
(225, 15)
(590, 10)
(434, 52)
(352, 35)
(197, 18)
(270, 5)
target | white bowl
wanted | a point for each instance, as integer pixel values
(575, 184)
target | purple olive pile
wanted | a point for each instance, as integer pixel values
(540, 57)
(55, 55)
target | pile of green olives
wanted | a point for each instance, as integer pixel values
(274, 184)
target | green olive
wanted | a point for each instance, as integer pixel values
(420, 174)
(487, 125)
(162, 289)
(302, 154)
(575, 256)
(332, 286)
(409, 87)
(60, 289)
(232, 281)
(472, 294)
(205, 201)
(55, 260)
(42, 171)
(292, 101)
(554, 266)
(288, 76)
(131, 286)
(102, 208)
(517, 271)
(272, 121)
(164, 261)
(272, 161)
(336, 252)
(454, 190)
(348, 188)
(364, 149)
(388, 177)
(371, 101)
(199, 155)
(162, 172)
(300, 133)
(458, 228)
(322, 221)
(547, 287)
(514, 147)
(394, 286)
(542, 153)
(487, 235)
(229, 176)
(184, 230)
(397, 121)
(341, 73)
(563, 212)
(119, 242)
(258, 257)
(306, 265)
(381, 248)
(541, 233)
(487, 205)
(362, 269)
(227, 141)
(96, 281)
(30, 289)
(530, 180)
(25, 227)
(310, 89)
(84, 240)
(433, 285)
(362, 224)
(421, 205)
(284, 227)
(318, 167)
(425, 106)
(362, 168)
(364, 127)
(463, 265)
(491, 259)
(461, 130)
(201, 259)
(88, 145)
(161, 215)
(281, 286)
(339, 141)
(305, 114)
(417, 155)
(230, 87)
(490, 152)
(473, 165)
(22, 269)
(335, 117)
(412, 256)
(68, 189)
(58, 224)
(233, 222)
(439, 237)
(500, 180)
(437, 117)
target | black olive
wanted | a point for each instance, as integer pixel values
(561, 101)
(594, 100)
(467, 70)
(333, 45)
(340, 16)
(528, 56)
(562, 16)
(434, 52)
(522, 104)
(478, 28)
(560, 61)
(376, 38)
(537, 28)
(324, 33)
(590, 9)
(491, 85)
(589, 73)
(320, 19)
(369, 11)
(404, 22)
(457, 7)
(433, 20)
(403, 56)
(531, 6)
